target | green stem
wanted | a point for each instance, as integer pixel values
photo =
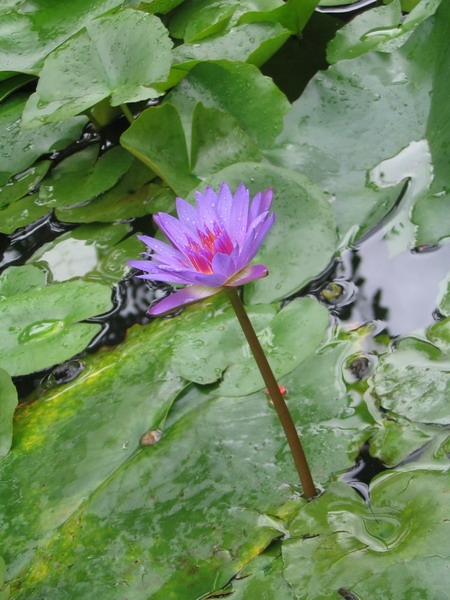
(275, 394)
(127, 112)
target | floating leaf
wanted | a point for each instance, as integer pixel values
(19, 149)
(157, 138)
(40, 326)
(196, 524)
(413, 381)
(28, 33)
(293, 334)
(236, 88)
(375, 106)
(22, 184)
(134, 195)
(400, 547)
(120, 55)
(381, 28)
(82, 176)
(218, 141)
(301, 243)
(8, 403)
(10, 85)
(249, 42)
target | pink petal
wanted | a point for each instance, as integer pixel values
(174, 230)
(239, 215)
(224, 205)
(186, 213)
(247, 274)
(187, 295)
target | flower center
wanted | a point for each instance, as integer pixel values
(211, 242)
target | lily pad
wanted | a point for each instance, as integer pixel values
(28, 33)
(413, 381)
(218, 141)
(157, 138)
(19, 149)
(400, 547)
(236, 88)
(195, 525)
(10, 85)
(133, 195)
(8, 403)
(397, 87)
(120, 55)
(301, 243)
(41, 326)
(22, 184)
(382, 28)
(82, 176)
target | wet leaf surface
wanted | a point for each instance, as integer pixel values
(40, 325)
(400, 547)
(8, 403)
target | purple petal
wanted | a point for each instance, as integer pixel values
(254, 240)
(224, 265)
(189, 294)
(196, 277)
(187, 213)
(224, 205)
(206, 213)
(174, 230)
(247, 274)
(239, 215)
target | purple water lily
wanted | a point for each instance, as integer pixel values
(211, 245)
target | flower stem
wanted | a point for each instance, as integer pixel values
(127, 112)
(275, 394)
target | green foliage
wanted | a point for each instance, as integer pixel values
(157, 468)
(40, 323)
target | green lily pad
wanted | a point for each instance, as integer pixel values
(218, 141)
(21, 213)
(413, 381)
(381, 28)
(4, 590)
(19, 149)
(444, 297)
(29, 33)
(157, 138)
(399, 545)
(138, 55)
(8, 403)
(10, 85)
(22, 184)
(302, 241)
(133, 195)
(195, 525)
(82, 176)
(334, 106)
(41, 326)
(236, 88)
(250, 42)
(94, 252)
(18, 280)
(292, 335)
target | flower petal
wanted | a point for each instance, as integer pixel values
(261, 203)
(223, 264)
(239, 215)
(196, 277)
(187, 213)
(175, 231)
(247, 274)
(254, 240)
(187, 295)
(224, 205)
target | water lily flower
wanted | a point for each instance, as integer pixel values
(211, 245)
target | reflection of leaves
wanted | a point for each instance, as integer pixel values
(399, 545)
(40, 325)
(121, 55)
